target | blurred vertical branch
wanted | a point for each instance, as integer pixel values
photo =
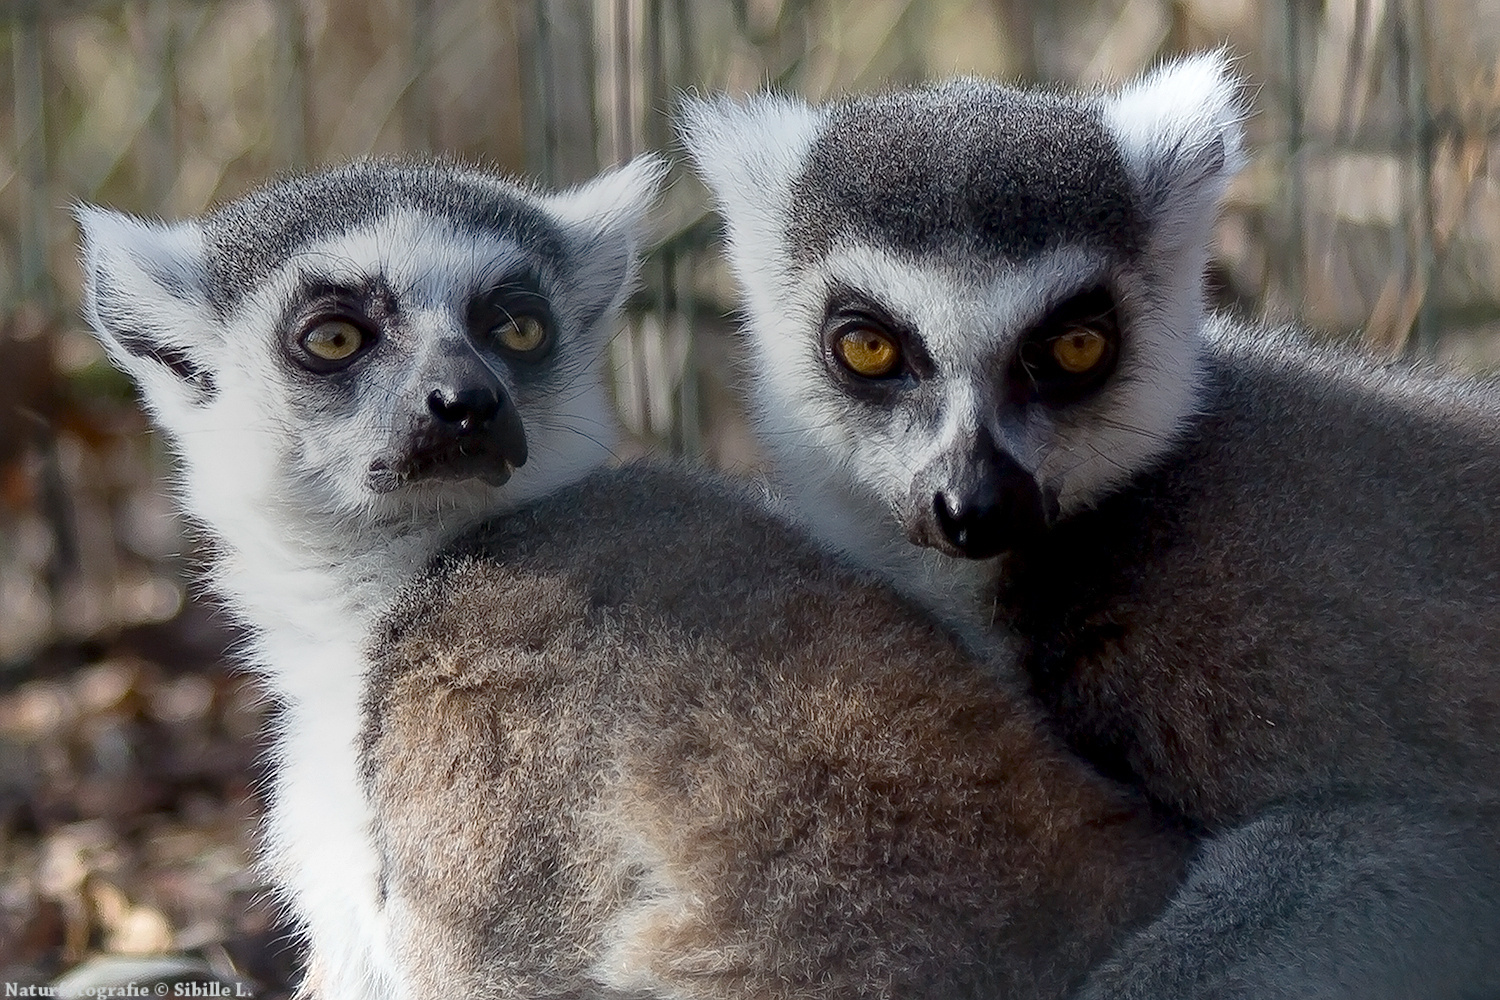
(417, 100)
(160, 54)
(1402, 318)
(1020, 18)
(558, 53)
(291, 99)
(1295, 28)
(647, 57)
(30, 133)
(1423, 336)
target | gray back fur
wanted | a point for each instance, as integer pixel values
(1289, 631)
(1304, 596)
(1308, 901)
(642, 738)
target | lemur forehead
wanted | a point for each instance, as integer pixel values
(251, 238)
(963, 169)
(964, 311)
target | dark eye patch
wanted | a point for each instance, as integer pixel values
(370, 305)
(850, 310)
(513, 296)
(1037, 376)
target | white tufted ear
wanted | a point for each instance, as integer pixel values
(1179, 130)
(617, 201)
(145, 295)
(749, 153)
(606, 222)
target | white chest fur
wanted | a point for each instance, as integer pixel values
(318, 829)
(311, 619)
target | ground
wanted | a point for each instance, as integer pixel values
(130, 787)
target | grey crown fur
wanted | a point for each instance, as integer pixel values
(252, 236)
(968, 170)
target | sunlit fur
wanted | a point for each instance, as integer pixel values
(1270, 577)
(276, 471)
(643, 740)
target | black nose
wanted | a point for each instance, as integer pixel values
(968, 521)
(977, 502)
(467, 409)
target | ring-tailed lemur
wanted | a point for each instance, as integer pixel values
(1244, 573)
(644, 740)
(641, 738)
(353, 366)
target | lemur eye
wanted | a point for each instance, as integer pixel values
(1071, 351)
(1078, 350)
(868, 353)
(334, 340)
(523, 335)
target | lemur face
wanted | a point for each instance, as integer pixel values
(382, 338)
(973, 306)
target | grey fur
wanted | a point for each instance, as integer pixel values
(1304, 595)
(643, 739)
(1289, 631)
(1367, 900)
(963, 170)
(639, 738)
(1278, 614)
(253, 235)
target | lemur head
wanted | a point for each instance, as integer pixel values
(972, 305)
(376, 347)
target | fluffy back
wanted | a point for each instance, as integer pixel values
(642, 739)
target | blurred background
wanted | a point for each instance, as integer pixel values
(128, 751)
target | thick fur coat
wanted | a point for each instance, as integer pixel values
(643, 738)
(325, 484)
(1256, 578)
(1302, 596)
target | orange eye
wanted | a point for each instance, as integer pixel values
(868, 353)
(1079, 350)
(523, 335)
(334, 340)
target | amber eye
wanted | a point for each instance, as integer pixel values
(868, 352)
(1079, 350)
(334, 340)
(522, 335)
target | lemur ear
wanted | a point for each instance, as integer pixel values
(606, 222)
(145, 296)
(750, 152)
(1179, 129)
